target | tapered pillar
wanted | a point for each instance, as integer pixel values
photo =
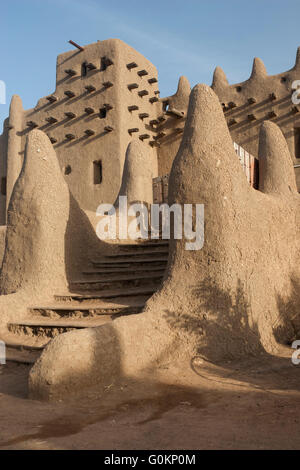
(14, 145)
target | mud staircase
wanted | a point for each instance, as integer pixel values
(113, 285)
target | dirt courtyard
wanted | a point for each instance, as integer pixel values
(249, 404)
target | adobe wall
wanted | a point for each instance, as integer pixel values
(80, 138)
(140, 103)
(76, 156)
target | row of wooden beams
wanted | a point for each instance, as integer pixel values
(251, 100)
(87, 132)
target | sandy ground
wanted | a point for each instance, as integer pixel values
(253, 404)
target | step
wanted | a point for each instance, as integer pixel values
(137, 255)
(117, 282)
(22, 350)
(84, 311)
(50, 329)
(22, 357)
(129, 293)
(124, 261)
(26, 343)
(125, 270)
(146, 245)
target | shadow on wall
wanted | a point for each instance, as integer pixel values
(225, 322)
(81, 241)
(288, 312)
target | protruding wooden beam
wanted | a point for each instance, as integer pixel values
(153, 122)
(143, 93)
(175, 112)
(152, 80)
(271, 115)
(143, 115)
(231, 105)
(51, 120)
(161, 118)
(71, 72)
(107, 106)
(70, 94)
(142, 73)
(295, 109)
(132, 65)
(52, 98)
(251, 117)
(159, 136)
(133, 107)
(90, 88)
(157, 92)
(76, 45)
(70, 115)
(251, 100)
(132, 86)
(70, 137)
(107, 61)
(272, 97)
(31, 124)
(91, 66)
(89, 132)
(232, 121)
(134, 129)
(154, 99)
(89, 110)
(108, 128)
(144, 136)
(153, 143)
(107, 84)
(52, 140)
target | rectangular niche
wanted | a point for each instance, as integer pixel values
(97, 171)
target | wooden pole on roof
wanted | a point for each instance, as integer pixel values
(76, 45)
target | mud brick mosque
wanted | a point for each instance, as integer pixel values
(126, 308)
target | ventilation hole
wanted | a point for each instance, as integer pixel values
(67, 170)
(102, 113)
(97, 172)
(239, 89)
(283, 79)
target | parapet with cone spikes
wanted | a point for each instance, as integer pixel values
(260, 98)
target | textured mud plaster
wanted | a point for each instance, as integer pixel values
(238, 295)
(38, 214)
(137, 174)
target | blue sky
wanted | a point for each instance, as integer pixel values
(186, 37)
